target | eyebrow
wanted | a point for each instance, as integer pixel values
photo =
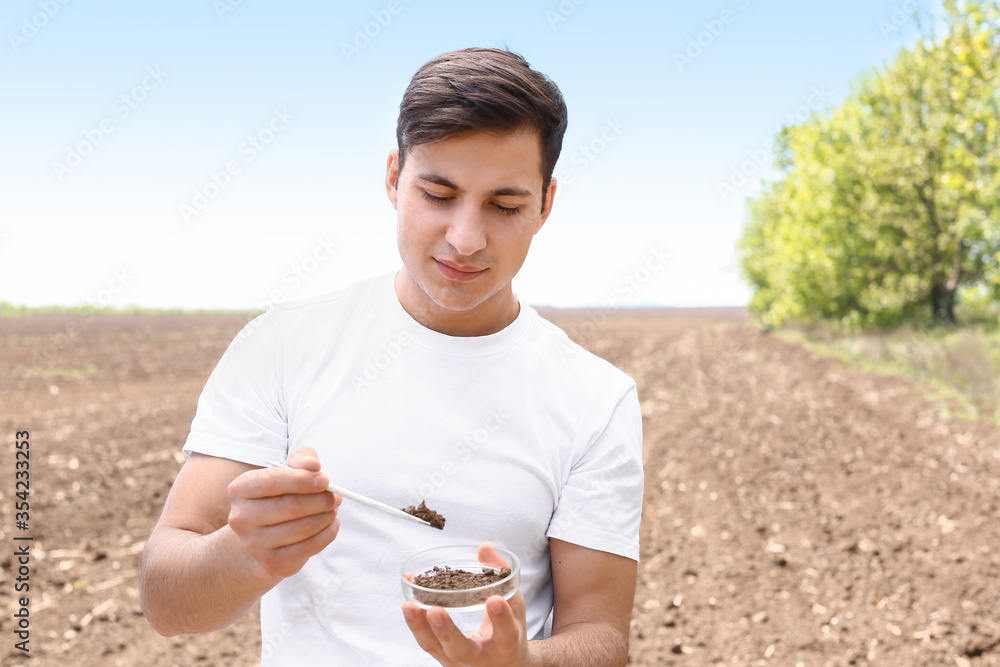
(508, 191)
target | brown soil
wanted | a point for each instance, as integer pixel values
(796, 511)
(424, 512)
(448, 579)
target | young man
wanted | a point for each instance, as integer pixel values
(434, 383)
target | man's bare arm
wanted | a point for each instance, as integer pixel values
(594, 592)
(230, 532)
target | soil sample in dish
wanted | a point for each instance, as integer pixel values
(427, 514)
(448, 579)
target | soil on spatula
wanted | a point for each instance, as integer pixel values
(424, 512)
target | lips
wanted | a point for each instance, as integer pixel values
(454, 271)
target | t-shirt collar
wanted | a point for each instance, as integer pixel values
(460, 345)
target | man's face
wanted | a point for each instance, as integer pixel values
(467, 208)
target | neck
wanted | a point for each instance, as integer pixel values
(492, 315)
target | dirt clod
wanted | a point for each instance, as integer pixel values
(424, 512)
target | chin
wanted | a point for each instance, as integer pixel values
(447, 298)
(458, 297)
(455, 296)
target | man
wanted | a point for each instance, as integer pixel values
(434, 383)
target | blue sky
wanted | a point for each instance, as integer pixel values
(226, 153)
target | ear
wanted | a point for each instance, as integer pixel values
(391, 176)
(550, 196)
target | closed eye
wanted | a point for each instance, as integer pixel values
(504, 210)
(435, 200)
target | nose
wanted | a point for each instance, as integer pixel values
(466, 232)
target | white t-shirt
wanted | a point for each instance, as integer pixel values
(514, 437)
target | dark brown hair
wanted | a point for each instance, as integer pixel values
(489, 90)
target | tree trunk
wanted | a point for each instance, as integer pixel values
(943, 295)
(943, 305)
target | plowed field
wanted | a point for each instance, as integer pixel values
(797, 512)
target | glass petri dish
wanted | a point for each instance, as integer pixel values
(466, 605)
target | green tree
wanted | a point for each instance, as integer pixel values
(888, 204)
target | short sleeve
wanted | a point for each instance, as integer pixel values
(600, 505)
(240, 413)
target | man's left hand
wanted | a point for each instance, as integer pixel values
(502, 638)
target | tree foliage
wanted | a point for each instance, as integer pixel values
(889, 204)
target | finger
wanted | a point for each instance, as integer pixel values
(287, 560)
(313, 544)
(456, 645)
(517, 605)
(269, 482)
(488, 556)
(287, 519)
(272, 510)
(286, 533)
(506, 630)
(305, 458)
(416, 621)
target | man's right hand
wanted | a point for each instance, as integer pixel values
(284, 517)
